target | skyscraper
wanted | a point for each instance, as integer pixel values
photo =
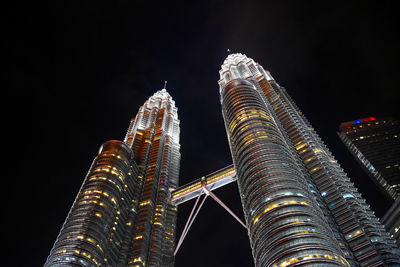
(154, 138)
(375, 143)
(122, 215)
(299, 205)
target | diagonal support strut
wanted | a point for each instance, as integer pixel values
(190, 220)
(208, 192)
(195, 211)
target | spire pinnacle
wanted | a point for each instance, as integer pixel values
(165, 85)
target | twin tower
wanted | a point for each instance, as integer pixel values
(300, 208)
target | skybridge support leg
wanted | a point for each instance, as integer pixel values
(190, 220)
(195, 211)
(208, 192)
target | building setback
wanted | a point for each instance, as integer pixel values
(122, 215)
(299, 205)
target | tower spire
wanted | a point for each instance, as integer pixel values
(165, 85)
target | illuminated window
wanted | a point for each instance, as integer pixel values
(347, 195)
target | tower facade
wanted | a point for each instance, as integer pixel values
(299, 205)
(153, 136)
(375, 143)
(94, 232)
(391, 220)
(122, 215)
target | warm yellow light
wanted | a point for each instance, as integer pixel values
(300, 146)
(137, 259)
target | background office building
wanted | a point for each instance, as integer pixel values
(375, 144)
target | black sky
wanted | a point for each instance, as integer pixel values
(77, 72)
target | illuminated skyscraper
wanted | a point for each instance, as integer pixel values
(154, 138)
(299, 205)
(375, 143)
(122, 215)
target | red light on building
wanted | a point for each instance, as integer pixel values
(368, 119)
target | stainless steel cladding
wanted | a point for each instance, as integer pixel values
(283, 218)
(94, 233)
(154, 138)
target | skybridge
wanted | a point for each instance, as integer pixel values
(213, 181)
(198, 187)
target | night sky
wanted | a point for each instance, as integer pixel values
(77, 72)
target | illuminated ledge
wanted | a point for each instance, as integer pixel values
(212, 181)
